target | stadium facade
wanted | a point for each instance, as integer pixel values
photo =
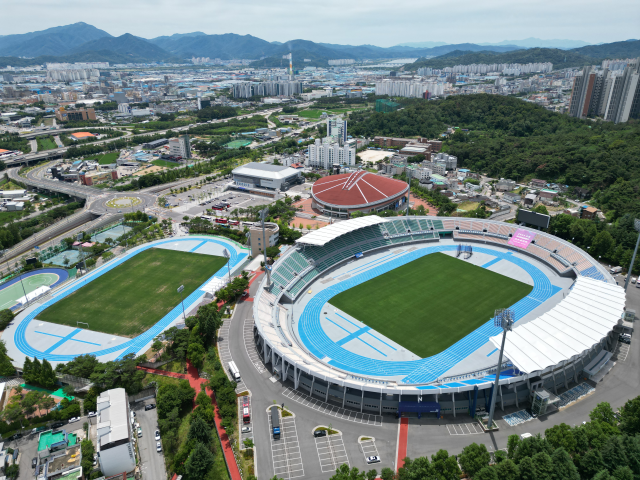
(341, 195)
(564, 328)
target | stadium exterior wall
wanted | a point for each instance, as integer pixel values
(376, 395)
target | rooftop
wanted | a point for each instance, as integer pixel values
(359, 188)
(265, 170)
(82, 135)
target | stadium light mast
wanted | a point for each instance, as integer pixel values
(226, 255)
(408, 170)
(263, 215)
(636, 225)
(503, 318)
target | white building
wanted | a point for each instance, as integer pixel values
(337, 130)
(326, 152)
(439, 168)
(450, 161)
(114, 436)
(180, 147)
(413, 89)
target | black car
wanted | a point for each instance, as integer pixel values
(57, 424)
(625, 339)
(15, 436)
(34, 462)
(320, 433)
(151, 406)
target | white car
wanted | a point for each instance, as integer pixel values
(246, 429)
(158, 447)
(74, 419)
(92, 414)
(157, 435)
(373, 459)
(139, 432)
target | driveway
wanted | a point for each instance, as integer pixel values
(151, 462)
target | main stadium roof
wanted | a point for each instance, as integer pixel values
(264, 170)
(574, 325)
(330, 232)
(355, 189)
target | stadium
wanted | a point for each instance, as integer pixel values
(340, 195)
(121, 306)
(374, 313)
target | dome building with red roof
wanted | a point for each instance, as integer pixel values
(341, 195)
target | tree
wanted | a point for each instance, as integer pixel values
(561, 436)
(445, 466)
(630, 416)
(512, 445)
(47, 403)
(603, 413)
(6, 316)
(12, 471)
(209, 321)
(200, 431)
(6, 367)
(81, 366)
(273, 252)
(507, 470)
(199, 462)
(487, 473)
(27, 369)
(474, 458)
(47, 376)
(540, 209)
(416, 468)
(195, 354)
(590, 464)
(343, 473)
(387, 474)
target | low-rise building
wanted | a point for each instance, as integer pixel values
(271, 236)
(588, 213)
(115, 446)
(505, 185)
(80, 114)
(511, 197)
(95, 177)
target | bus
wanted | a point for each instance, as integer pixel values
(275, 422)
(218, 207)
(246, 416)
(234, 222)
(221, 220)
(206, 217)
(233, 369)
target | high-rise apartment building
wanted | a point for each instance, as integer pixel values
(337, 129)
(180, 146)
(612, 95)
(333, 149)
(267, 89)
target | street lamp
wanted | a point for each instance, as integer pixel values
(636, 225)
(504, 318)
(180, 290)
(225, 254)
(263, 214)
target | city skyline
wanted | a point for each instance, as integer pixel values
(493, 21)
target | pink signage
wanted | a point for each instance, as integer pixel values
(522, 238)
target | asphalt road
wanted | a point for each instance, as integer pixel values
(151, 462)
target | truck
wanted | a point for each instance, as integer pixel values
(615, 270)
(235, 373)
(275, 422)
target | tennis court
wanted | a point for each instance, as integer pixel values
(238, 143)
(27, 283)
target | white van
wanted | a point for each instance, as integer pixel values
(615, 270)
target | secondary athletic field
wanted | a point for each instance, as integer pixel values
(431, 303)
(135, 295)
(27, 283)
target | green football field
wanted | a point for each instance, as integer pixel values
(429, 304)
(10, 295)
(135, 295)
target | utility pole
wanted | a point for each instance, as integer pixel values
(504, 318)
(636, 225)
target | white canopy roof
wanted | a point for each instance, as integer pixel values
(330, 232)
(577, 323)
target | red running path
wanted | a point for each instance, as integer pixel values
(195, 381)
(403, 434)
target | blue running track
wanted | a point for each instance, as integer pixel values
(414, 371)
(135, 344)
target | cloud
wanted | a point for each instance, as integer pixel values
(377, 22)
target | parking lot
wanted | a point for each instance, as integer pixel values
(331, 452)
(242, 426)
(464, 429)
(193, 205)
(369, 449)
(285, 451)
(151, 462)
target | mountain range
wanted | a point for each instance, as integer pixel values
(84, 42)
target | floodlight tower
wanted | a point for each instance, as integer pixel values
(227, 255)
(504, 318)
(263, 215)
(409, 172)
(636, 225)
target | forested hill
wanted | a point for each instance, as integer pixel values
(514, 139)
(559, 58)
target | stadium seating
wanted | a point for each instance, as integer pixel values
(574, 394)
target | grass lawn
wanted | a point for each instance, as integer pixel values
(431, 303)
(468, 206)
(46, 143)
(165, 163)
(135, 295)
(108, 158)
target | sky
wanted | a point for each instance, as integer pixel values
(354, 22)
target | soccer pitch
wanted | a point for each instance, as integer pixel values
(135, 295)
(429, 304)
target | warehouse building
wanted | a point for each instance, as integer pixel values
(264, 176)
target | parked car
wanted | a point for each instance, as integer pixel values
(73, 419)
(34, 462)
(157, 435)
(139, 432)
(320, 433)
(151, 406)
(625, 339)
(373, 459)
(92, 414)
(246, 429)
(57, 424)
(158, 447)
(15, 436)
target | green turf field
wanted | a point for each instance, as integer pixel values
(10, 295)
(431, 303)
(46, 143)
(165, 163)
(135, 295)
